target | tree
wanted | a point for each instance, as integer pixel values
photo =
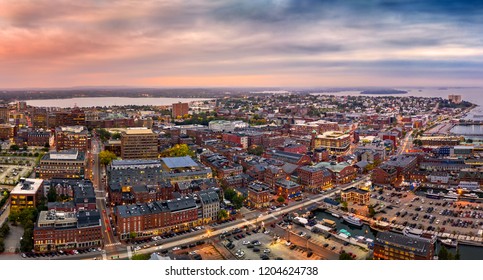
(52, 195)
(280, 199)
(443, 253)
(371, 210)
(178, 150)
(106, 157)
(14, 216)
(344, 206)
(104, 135)
(222, 214)
(116, 136)
(344, 256)
(14, 148)
(141, 257)
(255, 150)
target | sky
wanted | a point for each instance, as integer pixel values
(240, 43)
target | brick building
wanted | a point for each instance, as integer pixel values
(72, 137)
(258, 195)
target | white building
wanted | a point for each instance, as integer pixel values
(228, 126)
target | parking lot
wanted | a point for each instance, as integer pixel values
(434, 214)
(10, 174)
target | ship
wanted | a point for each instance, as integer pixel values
(449, 242)
(380, 226)
(353, 220)
(418, 233)
(451, 195)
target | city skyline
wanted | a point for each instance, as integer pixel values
(240, 43)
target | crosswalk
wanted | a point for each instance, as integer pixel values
(112, 244)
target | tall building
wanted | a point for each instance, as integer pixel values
(180, 109)
(73, 117)
(138, 143)
(4, 113)
(62, 164)
(72, 137)
(40, 118)
(454, 98)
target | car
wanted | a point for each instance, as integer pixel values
(293, 246)
(250, 246)
(266, 251)
(245, 242)
(303, 234)
(264, 257)
(309, 254)
(256, 250)
(176, 248)
(333, 248)
(288, 243)
(23, 255)
(326, 245)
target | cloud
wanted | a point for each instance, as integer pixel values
(63, 43)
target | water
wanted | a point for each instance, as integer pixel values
(473, 131)
(108, 101)
(466, 252)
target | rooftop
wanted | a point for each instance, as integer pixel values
(179, 162)
(138, 131)
(27, 186)
(64, 155)
(421, 246)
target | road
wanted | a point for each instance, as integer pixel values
(406, 143)
(258, 219)
(95, 173)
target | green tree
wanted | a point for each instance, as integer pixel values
(222, 214)
(372, 211)
(444, 254)
(14, 148)
(106, 157)
(13, 217)
(280, 199)
(141, 257)
(104, 135)
(178, 150)
(255, 150)
(344, 256)
(52, 195)
(344, 206)
(116, 136)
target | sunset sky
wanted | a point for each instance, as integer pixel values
(188, 43)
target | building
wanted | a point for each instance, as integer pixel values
(62, 164)
(4, 113)
(441, 140)
(221, 166)
(122, 175)
(454, 98)
(393, 246)
(384, 175)
(57, 230)
(314, 179)
(355, 195)
(228, 126)
(38, 138)
(272, 174)
(7, 131)
(177, 169)
(258, 195)
(72, 137)
(334, 141)
(147, 219)
(342, 172)
(293, 158)
(288, 189)
(84, 196)
(180, 109)
(40, 118)
(236, 138)
(139, 143)
(74, 117)
(26, 194)
(210, 205)
(403, 164)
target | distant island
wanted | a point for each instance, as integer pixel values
(383, 91)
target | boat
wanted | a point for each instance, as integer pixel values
(418, 233)
(380, 226)
(412, 232)
(449, 242)
(344, 233)
(335, 215)
(353, 220)
(451, 195)
(431, 194)
(329, 223)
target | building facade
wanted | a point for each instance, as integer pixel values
(139, 143)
